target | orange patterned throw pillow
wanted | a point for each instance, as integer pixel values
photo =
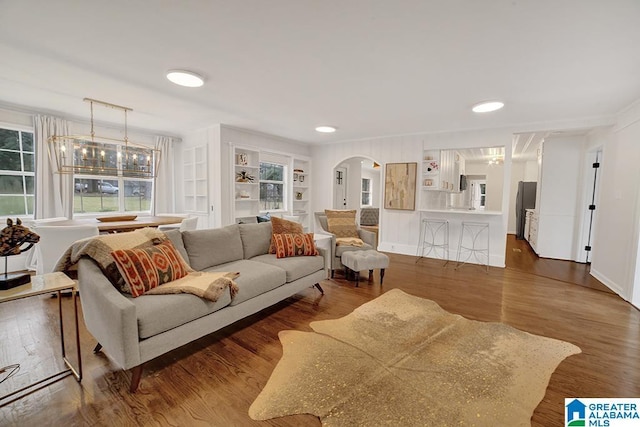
(279, 226)
(146, 268)
(294, 244)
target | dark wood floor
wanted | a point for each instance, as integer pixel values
(214, 380)
(520, 256)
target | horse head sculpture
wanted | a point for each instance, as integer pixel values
(13, 236)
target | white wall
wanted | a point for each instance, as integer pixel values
(399, 229)
(615, 250)
(559, 193)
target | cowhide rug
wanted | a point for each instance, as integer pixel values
(403, 360)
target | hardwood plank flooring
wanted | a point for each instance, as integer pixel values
(521, 257)
(214, 380)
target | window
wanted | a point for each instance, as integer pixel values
(483, 195)
(272, 186)
(17, 172)
(106, 190)
(366, 192)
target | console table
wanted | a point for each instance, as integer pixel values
(40, 285)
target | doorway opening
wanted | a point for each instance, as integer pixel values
(357, 184)
(557, 227)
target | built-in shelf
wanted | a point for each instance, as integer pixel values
(245, 158)
(196, 189)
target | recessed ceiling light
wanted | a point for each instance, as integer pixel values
(185, 78)
(486, 107)
(326, 129)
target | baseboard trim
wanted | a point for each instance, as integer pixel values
(609, 283)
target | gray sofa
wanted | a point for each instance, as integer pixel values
(136, 330)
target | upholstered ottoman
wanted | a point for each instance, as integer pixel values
(357, 261)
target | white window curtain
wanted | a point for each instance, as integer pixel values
(165, 199)
(54, 193)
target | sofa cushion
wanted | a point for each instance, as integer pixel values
(255, 278)
(279, 226)
(295, 267)
(342, 223)
(298, 244)
(146, 268)
(256, 238)
(160, 313)
(176, 238)
(210, 247)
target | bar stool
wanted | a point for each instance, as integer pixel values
(434, 236)
(469, 243)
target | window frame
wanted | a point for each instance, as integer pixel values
(368, 192)
(22, 173)
(285, 170)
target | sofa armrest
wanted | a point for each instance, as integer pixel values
(332, 243)
(368, 237)
(109, 316)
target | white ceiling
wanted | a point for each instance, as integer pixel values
(371, 68)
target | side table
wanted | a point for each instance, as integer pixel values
(324, 241)
(46, 284)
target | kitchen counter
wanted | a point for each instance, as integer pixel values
(462, 211)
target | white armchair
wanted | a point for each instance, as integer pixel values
(187, 224)
(368, 237)
(54, 240)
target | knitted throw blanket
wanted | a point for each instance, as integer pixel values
(99, 249)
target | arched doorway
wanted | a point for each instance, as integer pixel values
(357, 184)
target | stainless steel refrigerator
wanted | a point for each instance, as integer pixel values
(525, 199)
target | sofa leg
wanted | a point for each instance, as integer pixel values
(136, 374)
(97, 348)
(317, 285)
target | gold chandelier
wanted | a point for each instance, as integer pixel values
(99, 155)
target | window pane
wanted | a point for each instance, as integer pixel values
(29, 162)
(136, 161)
(366, 184)
(12, 205)
(95, 195)
(10, 160)
(11, 184)
(27, 141)
(30, 204)
(366, 199)
(271, 196)
(271, 172)
(30, 182)
(9, 139)
(95, 159)
(137, 195)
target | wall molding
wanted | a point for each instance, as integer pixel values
(609, 283)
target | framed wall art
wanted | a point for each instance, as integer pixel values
(400, 186)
